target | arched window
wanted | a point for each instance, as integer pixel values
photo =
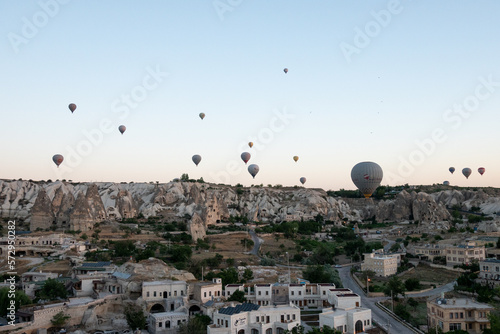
(167, 324)
(269, 331)
(358, 327)
(255, 331)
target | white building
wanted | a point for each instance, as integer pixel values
(205, 291)
(346, 316)
(254, 319)
(166, 322)
(32, 281)
(382, 265)
(489, 272)
(158, 290)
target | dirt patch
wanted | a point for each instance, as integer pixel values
(228, 245)
(62, 267)
(276, 246)
(427, 274)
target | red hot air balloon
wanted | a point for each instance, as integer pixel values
(58, 159)
(245, 156)
(72, 107)
(481, 170)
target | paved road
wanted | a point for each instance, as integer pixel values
(256, 242)
(382, 318)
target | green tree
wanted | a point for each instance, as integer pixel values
(124, 248)
(238, 296)
(229, 276)
(412, 284)
(322, 274)
(195, 325)
(185, 177)
(494, 324)
(247, 275)
(20, 300)
(135, 317)
(59, 320)
(395, 287)
(52, 289)
(402, 312)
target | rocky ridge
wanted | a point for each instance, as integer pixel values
(78, 206)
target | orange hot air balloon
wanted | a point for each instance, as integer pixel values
(58, 159)
(481, 170)
(72, 107)
(122, 128)
(285, 70)
(250, 144)
(295, 158)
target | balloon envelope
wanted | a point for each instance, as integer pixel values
(285, 70)
(250, 144)
(451, 169)
(446, 183)
(196, 159)
(202, 115)
(122, 128)
(481, 170)
(466, 171)
(253, 170)
(367, 177)
(295, 158)
(58, 159)
(303, 180)
(245, 156)
(72, 107)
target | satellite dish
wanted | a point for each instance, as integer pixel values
(439, 302)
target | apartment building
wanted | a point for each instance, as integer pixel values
(382, 265)
(300, 295)
(458, 314)
(255, 319)
(158, 290)
(346, 315)
(464, 254)
(205, 291)
(489, 272)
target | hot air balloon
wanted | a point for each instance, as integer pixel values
(451, 169)
(122, 128)
(253, 170)
(202, 115)
(466, 171)
(295, 158)
(367, 177)
(285, 70)
(303, 180)
(196, 159)
(481, 170)
(446, 183)
(72, 107)
(245, 156)
(250, 144)
(58, 159)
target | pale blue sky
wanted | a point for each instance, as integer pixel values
(367, 81)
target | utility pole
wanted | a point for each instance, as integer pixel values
(288, 261)
(392, 302)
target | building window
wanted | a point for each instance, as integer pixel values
(147, 294)
(160, 324)
(154, 294)
(454, 327)
(167, 324)
(204, 294)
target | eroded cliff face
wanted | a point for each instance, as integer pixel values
(80, 205)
